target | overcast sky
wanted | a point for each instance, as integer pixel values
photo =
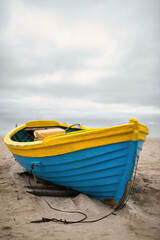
(94, 62)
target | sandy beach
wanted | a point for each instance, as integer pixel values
(140, 219)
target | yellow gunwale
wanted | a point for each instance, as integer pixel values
(74, 141)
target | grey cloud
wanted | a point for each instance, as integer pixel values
(129, 90)
(5, 12)
(120, 89)
(13, 68)
(135, 80)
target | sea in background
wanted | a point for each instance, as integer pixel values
(95, 119)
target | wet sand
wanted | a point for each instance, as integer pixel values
(140, 219)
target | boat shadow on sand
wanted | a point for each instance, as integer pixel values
(39, 187)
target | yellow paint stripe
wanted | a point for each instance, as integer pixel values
(87, 138)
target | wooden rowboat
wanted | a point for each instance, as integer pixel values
(96, 161)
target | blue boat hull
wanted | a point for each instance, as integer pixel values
(101, 172)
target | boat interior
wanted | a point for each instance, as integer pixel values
(31, 134)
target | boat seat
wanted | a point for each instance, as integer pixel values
(41, 134)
